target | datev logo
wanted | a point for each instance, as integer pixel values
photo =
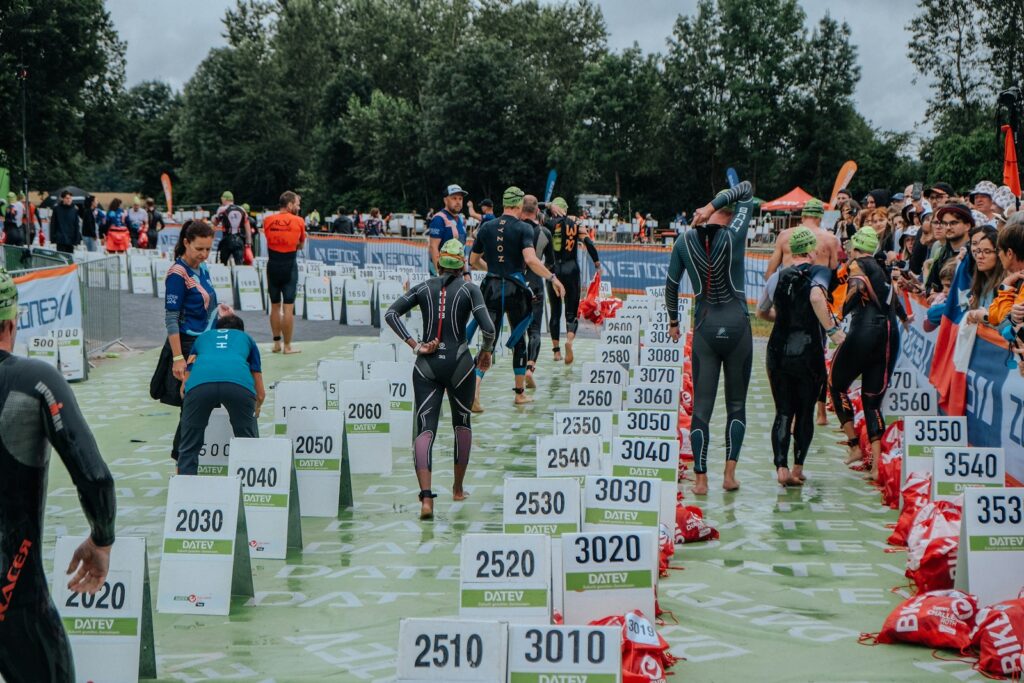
(45, 310)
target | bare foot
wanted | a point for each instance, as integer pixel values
(427, 508)
(459, 495)
(822, 418)
(530, 384)
(783, 475)
(277, 348)
(289, 350)
(568, 354)
(522, 399)
(798, 472)
(700, 485)
(729, 482)
(477, 408)
(853, 456)
(558, 356)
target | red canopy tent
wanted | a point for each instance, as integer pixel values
(793, 200)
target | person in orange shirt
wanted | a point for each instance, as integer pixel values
(285, 233)
(1009, 302)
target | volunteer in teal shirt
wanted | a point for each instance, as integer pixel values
(223, 369)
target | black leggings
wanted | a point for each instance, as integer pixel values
(722, 338)
(195, 416)
(569, 276)
(231, 247)
(431, 378)
(33, 645)
(795, 391)
(533, 332)
(869, 352)
(509, 300)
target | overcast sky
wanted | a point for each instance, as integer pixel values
(168, 38)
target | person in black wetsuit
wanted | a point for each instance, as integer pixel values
(38, 408)
(871, 347)
(796, 299)
(566, 236)
(504, 248)
(542, 245)
(712, 254)
(443, 362)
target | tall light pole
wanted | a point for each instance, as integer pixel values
(23, 77)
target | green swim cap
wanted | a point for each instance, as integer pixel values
(8, 297)
(813, 208)
(560, 203)
(513, 197)
(11, 197)
(453, 256)
(245, 207)
(865, 240)
(228, 196)
(802, 241)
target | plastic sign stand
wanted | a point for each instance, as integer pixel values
(653, 423)
(922, 435)
(44, 349)
(595, 396)
(111, 632)
(388, 292)
(160, 268)
(563, 455)
(358, 294)
(140, 275)
(292, 395)
(623, 354)
(121, 276)
(220, 276)
(399, 379)
(548, 505)
(337, 296)
(269, 494)
(651, 396)
(653, 374)
(639, 456)
(612, 502)
(317, 440)
(557, 654)
(205, 553)
(214, 457)
(71, 353)
(670, 356)
(366, 408)
(608, 572)
(990, 560)
(368, 353)
(247, 285)
(318, 298)
(456, 650)
(332, 373)
(604, 373)
(958, 469)
(506, 577)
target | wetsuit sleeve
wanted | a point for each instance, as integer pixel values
(742, 192)
(675, 273)
(483, 319)
(591, 250)
(69, 434)
(402, 305)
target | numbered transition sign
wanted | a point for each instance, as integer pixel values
(292, 395)
(622, 354)
(612, 502)
(639, 456)
(506, 576)
(990, 560)
(652, 423)
(269, 495)
(557, 654)
(653, 374)
(216, 451)
(605, 373)
(111, 631)
(595, 396)
(205, 557)
(569, 456)
(904, 397)
(332, 372)
(457, 650)
(956, 469)
(608, 572)
(399, 379)
(366, 407)
(542, 505)
(921, 436)
(317, 437)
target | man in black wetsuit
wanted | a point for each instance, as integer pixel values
(37, 408)
(711, 254)
(443, 362)
(504, 248)
(796, 299)
(542, 245)
(566, 235)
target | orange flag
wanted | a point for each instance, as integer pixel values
(1011, 174)
(165, 180)
(843, 179)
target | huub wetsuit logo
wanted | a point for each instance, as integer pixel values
(44, 311)
(13, 574)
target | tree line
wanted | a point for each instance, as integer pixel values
(382, 102)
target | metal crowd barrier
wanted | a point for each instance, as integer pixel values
(29, 258)
(101, 304)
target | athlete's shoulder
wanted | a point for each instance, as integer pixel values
(33, 373)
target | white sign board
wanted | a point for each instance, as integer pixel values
(368, 353)
(608, 572)
(292, 395)
(622, 325)
(959, 468)
(337, 296)
(318, 298)
(247, 282)
(216, 451)
(649, 396)
(317, 438)
(366, 407)
(620, 337)
(922, 435)
(657, 334)
(904, 397)
(621, 354)
(220, 277)
(141, 274)
(358, 294)
(543, 505)
(653, 423)
(205, 558)
(562, 455)
(668, 356)
(332, 373)
(638, 456)
(990, 561)
(399, 379)
(556, 654)
(107, 629)
(653, 374)
(610, 502)
(605, 373)
(70, 352)
(506, 576)
(44, 349)
(595, 396)
(457, 650)
(265, 468)
(388, 292)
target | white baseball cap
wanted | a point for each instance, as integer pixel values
(455, 189)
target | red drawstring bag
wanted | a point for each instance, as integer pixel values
(247, 257)
(666, 549)
(940, 619)
(936, 519)
(589, 308)
(893, 437)
(610, 306)
(691, 527)
(936, 569)
(143, 240)
(916, 493)
(645, 655)
(999, 639)
(889, 469)
(685, 448)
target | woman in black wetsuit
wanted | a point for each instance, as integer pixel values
(871, 346)
(712, 255)
(443, 362)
